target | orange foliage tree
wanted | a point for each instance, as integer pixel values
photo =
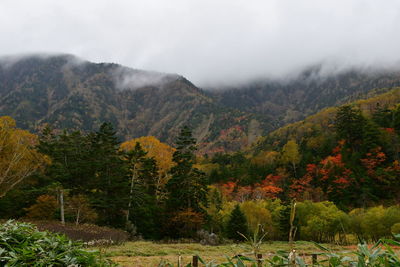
(44, 208)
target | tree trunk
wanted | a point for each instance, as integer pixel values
(78, 213)
(130, 195)
(62, 206)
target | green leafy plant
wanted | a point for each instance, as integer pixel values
(22, 244)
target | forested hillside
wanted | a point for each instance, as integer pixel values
(67, 92)
(349, 155)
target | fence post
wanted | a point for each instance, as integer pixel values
(195, 261)
(179, 261)
(259, 260)
(314, 259)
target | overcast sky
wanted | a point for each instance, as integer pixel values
(207, 41)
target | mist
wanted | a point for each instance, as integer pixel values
(209, 42)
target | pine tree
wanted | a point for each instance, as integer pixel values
(236, 224)
(187, 187)
(110, 184)
(143, 210)
(349, 124)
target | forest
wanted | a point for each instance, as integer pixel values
(341, 166)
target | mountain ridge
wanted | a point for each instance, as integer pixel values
(71, 93)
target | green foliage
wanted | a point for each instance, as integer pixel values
(321, 222)
(187, 187)
(374, 223)
(237, 225)
(21, 244)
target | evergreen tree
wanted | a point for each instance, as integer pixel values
(187, 187)
(143, 210)
(349, 124)
(110, 184)
(371, 136)
(236, 224)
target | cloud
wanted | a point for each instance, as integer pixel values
(130, 79)
(209, 42)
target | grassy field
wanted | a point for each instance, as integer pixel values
(144, 253)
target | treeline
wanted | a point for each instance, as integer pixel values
(143, 185)
(316, 221)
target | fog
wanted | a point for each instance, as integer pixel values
(210, 42)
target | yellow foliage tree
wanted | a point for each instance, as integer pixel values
(18, 157)
(257, 214)
(161, 152)
(291, 155)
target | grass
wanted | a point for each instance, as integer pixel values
(145, 253)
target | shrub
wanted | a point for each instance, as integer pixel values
(395, 229)
(22, 244)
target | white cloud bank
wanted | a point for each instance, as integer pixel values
(207, 41)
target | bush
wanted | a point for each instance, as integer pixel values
(395, 229)
(84, 232)
(22, 244)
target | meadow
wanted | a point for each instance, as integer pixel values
(146, 253)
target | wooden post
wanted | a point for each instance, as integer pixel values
(314, 259)
(179, 261)
(195, 261)
(259, 260)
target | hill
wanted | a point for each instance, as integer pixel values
(68, 92)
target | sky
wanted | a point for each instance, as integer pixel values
(209, 42)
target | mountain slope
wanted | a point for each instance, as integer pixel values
(307, 93)
(71, 93)
(67, 93)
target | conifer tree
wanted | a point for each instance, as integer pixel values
(143, 210)
(110, 186)
(236, 224)
(187, 187)
(349, 124)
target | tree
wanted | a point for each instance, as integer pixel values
(110, 186)
(79, 208)
(161, 152)
(236, 224)
(142, 206)
(135, 159)
(291, 155)
(18, 157)
(44, 208)
(71, 159)
(349, 123)
(187, 187)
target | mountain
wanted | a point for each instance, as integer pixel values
(68, 92)
(313, 89)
